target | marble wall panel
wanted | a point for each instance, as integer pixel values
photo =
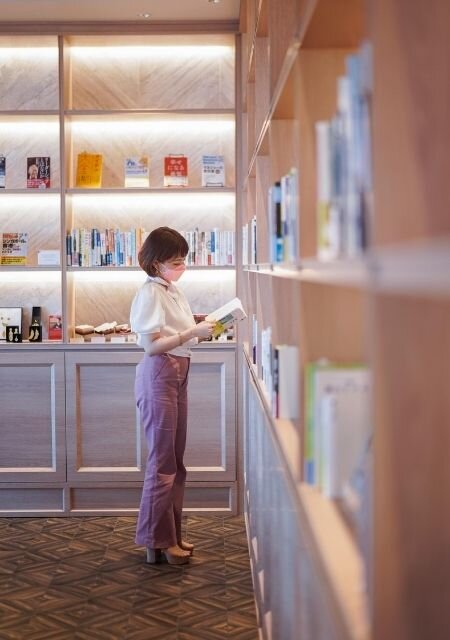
(29, 78)
(21, 138)
(105, 301)
(181, 211)
(38, 215)
(117, 139)
(153, 79)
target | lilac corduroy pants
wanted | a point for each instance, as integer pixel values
(161, 396)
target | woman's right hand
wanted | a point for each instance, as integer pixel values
(203, 329)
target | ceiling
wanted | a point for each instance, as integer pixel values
(116, 10)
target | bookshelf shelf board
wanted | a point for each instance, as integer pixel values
(107, 346)
(175, 114)
(337, 556)
(29, 192)
(28, 268)
(148, 191)
(227, 267)
(419, 268)
(337, 272)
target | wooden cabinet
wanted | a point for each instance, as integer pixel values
(82, 415)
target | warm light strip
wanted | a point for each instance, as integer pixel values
(119, 126)
(19, 201)
(28, 52)
(111, 275)
(41, 277)
(168, 52)
(155, 200)
(40, 126)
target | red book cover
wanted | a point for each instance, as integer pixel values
(54, 327)
(38, 173)
(176, 171)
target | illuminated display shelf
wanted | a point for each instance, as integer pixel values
(100, 98)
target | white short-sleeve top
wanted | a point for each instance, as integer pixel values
(160, 307)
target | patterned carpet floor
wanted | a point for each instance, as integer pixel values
(84, 578)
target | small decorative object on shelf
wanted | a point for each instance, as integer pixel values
(10, 316)
(176, 171)
(13, 333)
(55, 327)
(35, 334)
(89, 170)
(2, 172)
(13, 248)
(38, 172)
(84, 329)
(213, 171)
(105, 327)
(137, 172)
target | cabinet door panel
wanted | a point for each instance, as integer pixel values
(210, 449)
(32, 416)
(103, 427)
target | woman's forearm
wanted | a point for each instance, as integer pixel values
(165, 343)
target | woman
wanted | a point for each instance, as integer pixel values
(162, 318)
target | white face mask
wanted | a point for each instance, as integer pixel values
(172, 274)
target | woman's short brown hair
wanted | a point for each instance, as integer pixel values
(160, 245)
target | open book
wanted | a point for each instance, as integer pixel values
(225, 316)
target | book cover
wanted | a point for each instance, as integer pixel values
(288, 382)
(38, 172)
(89, 170)
(176, 171)
(13, 248)
(213, 171)
(225, 315)
(2, 172)
(350, 386)
(55, 327)
(137, 172)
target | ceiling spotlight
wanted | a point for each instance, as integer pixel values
(214, 1)
(144, 15)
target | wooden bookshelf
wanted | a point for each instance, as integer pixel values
(387, 308)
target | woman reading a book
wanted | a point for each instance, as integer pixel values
(163, 321)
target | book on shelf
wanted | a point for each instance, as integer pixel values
(210, 248)
(253, 241)
(279, 371)
(245, 244)
(13, 248)
(38, 172)
(89, 170)
(343, 165)
(337, 399)
(137, 172)
(103, 248)
(176, 171)
(55, 326)
(2, 172)
(283, 204)
(225, 315)
(213, 171)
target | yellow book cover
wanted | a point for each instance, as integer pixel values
(89, 170)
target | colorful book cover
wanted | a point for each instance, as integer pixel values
(176, 171)
(55, 327)
(137, 172)
(13, 248)
(38, 172)
(213, 171)
(2, 172)
(89, 170)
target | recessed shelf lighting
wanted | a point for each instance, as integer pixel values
(146, 16)
(214, 1)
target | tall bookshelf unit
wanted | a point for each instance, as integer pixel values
(72, 441)
(387, 308)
